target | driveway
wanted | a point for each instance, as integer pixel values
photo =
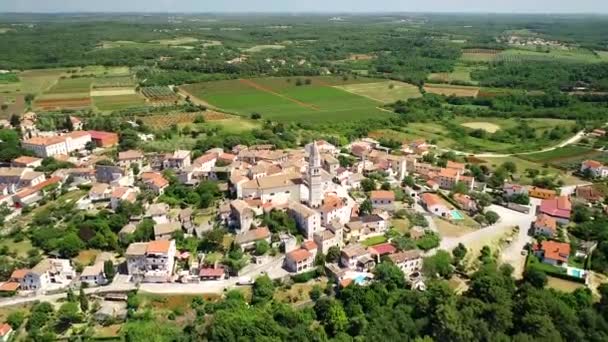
(508, 219)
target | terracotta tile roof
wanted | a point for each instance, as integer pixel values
(119, 192)
(405, 256)
(227, 156)
(10, 286)
(137, 249)
(554, 250)
(299, 255)
(45, 141)
(5, 329)
(331, 202)
(454, 165)
(34, 189)
(382, 249)
(382, 195)
(19, 274)
(309, 245)
(545, 221)
(593, 164)
(430, 199)
(557, 207)
(130, 154)
(211, 272)
(98, 135)
(205, 158)
(345, 282)
(543, 191)
(160, 246)
(448, 173)
(155, 178)
(260, 233)
(25, 160)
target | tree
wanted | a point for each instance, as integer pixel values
(256, 116)
(261, 247)
(15, 319)
(84, 301)
(439, 264)
(108, 270)
(129, 140)
(366, 207)
(15, 120)
(535, 277)
(336, 318)
(390, 275)
(320, 259)
(71, 297)
(333, 254)
(509, 166)
(68, 124)
(459, 253)
(368, 185)
(68, 314)
(385, 186)
(460, 188)
(408, 181)
(263, 290)
(491, 217)
(316, 292)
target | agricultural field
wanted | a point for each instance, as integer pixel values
(80, 85)
(62, 103)
(313, 99)
(259, 48)
(479, 55)
(384, 92)
(102, 71)
(113, 82)
(448, 90)
(33, 81)
(160, 94)
(566, 56)
(11, 104)
(567, 158)
(117, 102)
(486, 126)
(461, 73)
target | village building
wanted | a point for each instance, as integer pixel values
(155, 182)
(595, 168)
(383, 200)
(151, 261)
(545, 225)
(559, 208)
(541, 193)
(93, 275)
(45, 147)
(408, 261)
(364, 227)
(103, 139)
(248, 239)
(435, 205)
(130, 157)
(177, 160)
(466, 203)
(553, 252)
(6, 332)
(510, 190)
(26, 162)
(307, 219)
(46, 275)
(165, 231)
(356, 257)
(299, 260)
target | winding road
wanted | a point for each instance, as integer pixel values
(578, 136)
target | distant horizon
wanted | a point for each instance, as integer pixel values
(357, 13)
(308, 7)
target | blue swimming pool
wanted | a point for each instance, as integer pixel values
(576, 272)
(456, 215)
(359, 279)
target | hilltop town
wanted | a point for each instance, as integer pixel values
(322, 177)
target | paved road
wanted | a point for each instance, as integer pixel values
(119, 285)
(578, 136)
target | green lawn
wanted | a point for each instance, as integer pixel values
(384, 92)
(277, 99)
(376, 240)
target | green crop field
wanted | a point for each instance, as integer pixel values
(110, 103)
(384, 92)
(282, 99)
(572, 56)
(562, 153)
(72, 85)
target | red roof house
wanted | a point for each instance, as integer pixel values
(559, 208)
(104, 139)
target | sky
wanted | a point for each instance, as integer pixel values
(486, 6)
